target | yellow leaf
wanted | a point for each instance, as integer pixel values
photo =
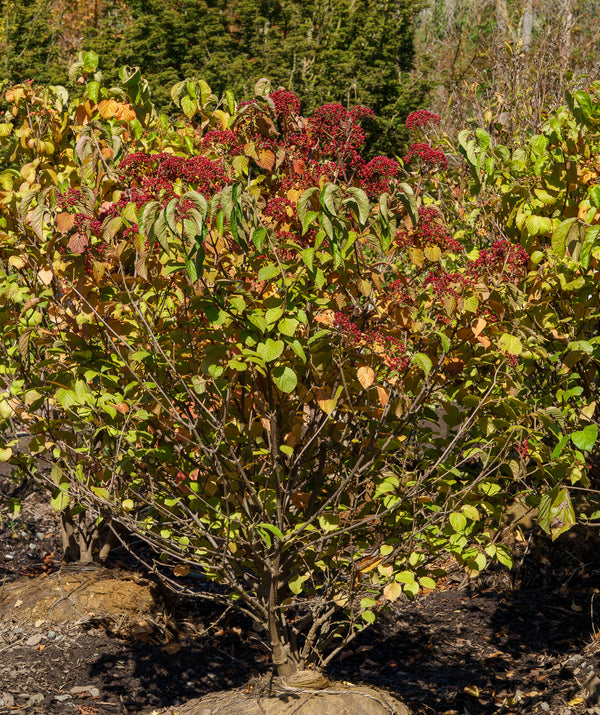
(366, 376)
(17, 261)
(472, 690)
(325, 401)
(575, 701)
(392, 591)
(416, 256)
(433, 253)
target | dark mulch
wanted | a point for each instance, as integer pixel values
(469, 649)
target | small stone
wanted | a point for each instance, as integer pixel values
(94, 692)
(51, 635)
(62, 698)
(18, 631)
(574, 660)
(545, 706)
(36, 698)
(34, 640)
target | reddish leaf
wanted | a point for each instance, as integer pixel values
(78, 243)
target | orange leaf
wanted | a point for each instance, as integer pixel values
(181, 570)
(64, 222)
(108, 108)
(383, 395)
(480, 324)
(327, 317)
(299, 166)
(366, 376)
(125, 112)
(266, 159)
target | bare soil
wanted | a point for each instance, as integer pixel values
(89, 641)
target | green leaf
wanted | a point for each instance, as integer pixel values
(59, 499)
(427, 582)
(287, 326)
(458, 522)
(586, 438)
(284, 378)
(405, 577)
(555, 513)
(303, 201)
(270, 349)
(410, 202)
(538, 225)
(308, 255)
(258, 238)
(272, 315)
(559, 237)
(66, 398)
(93, 89)
(510, 344)
(266, 273)
(329, 522)
(308, 219)
(484, 138)
(361, 200)
(589, 243)
(327, 198)
(368, 616)
(189, 106)
(297, 582)
(424, 362)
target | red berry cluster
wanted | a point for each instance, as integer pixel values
(277, 207)
(155, 173)
(523, 448)
(429, 231)
(398, 293)
(286, 103)
(445, 283)
(502, 257)
(376, 175)
(421, 118)
(394, 352)
(430, 158)
(335, 131)
(513, 360)
(221, 141)
(68, 199)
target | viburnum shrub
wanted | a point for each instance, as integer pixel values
(266, 356)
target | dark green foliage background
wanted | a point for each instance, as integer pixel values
(347, 51)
